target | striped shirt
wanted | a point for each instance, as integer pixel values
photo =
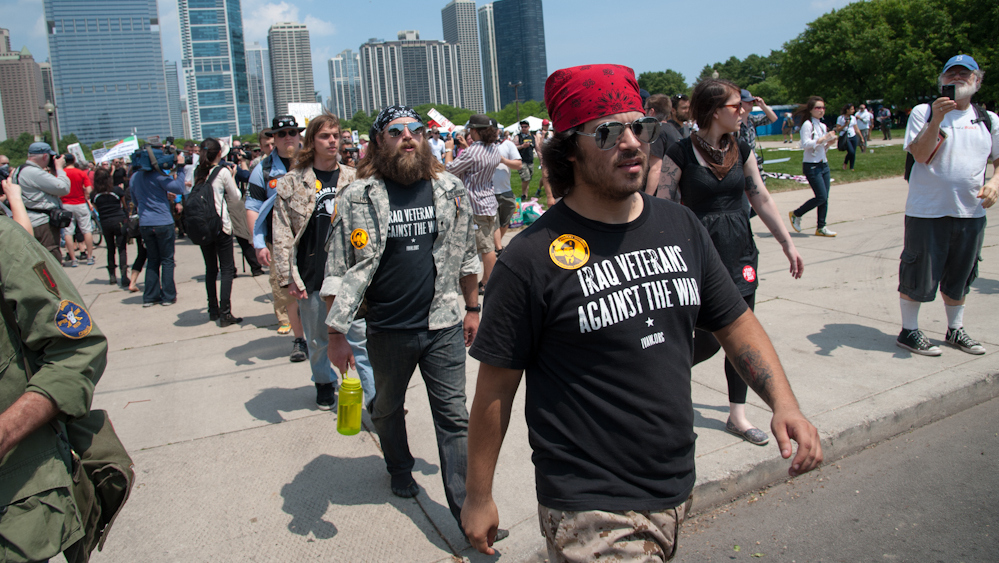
(475, 167)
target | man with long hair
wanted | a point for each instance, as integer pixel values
(402, 244)
(597, 301)
(302, 211)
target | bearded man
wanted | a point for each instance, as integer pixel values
(402, 248)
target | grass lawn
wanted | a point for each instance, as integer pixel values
(877, 162)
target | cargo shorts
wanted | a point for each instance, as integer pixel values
(940, 252)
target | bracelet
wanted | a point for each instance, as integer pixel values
(476, 309)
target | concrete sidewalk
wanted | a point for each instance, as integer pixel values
(234, 462)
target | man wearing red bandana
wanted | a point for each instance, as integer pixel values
(596, 303)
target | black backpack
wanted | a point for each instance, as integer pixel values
(981, 116)
(201, 222)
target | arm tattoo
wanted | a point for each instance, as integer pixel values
(754, 371)
(669, 181)
(751, 188)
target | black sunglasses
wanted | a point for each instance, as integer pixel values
(415, 129)
(606, 134)
(284, 133)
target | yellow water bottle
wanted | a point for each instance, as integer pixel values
(348, 412)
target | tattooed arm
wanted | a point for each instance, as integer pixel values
(765, 207)
(749, 349)
(669, 180)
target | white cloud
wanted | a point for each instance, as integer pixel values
(259, 16)
(319, 27)
(39, 30)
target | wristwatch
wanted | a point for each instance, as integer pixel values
(476, 309)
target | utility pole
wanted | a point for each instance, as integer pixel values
(516, 96)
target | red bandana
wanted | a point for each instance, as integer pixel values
(579, 94)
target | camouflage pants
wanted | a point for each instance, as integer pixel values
(595, 535)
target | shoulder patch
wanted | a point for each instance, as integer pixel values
(569, 252)
(73, 320)
(46, 277)
(359, 238)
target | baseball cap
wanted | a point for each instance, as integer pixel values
(961, 60)
(41, 148)
(746, 96)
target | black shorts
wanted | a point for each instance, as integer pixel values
(942, 252)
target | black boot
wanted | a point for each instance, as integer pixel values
(114, 279)
(227, 319)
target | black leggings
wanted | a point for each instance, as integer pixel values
(114, 235)
(706, 345)
(140, 255)
(218, 257)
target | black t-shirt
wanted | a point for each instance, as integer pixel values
(601, 317)
(402, 289)
(526, 153)
(720, 205)
(109, 204)
(311, 253)
(119, 176)
(668, 135)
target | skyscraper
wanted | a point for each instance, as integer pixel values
(520, 49)
(411, 72)
(459, 22)
(291, 65)
(21, 91)
(107, 68)
(258, 76)
(214, 66)
(490, 76)
(173, 98)
(345, 84)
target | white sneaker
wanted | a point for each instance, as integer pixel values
(795, 221)
(824, 232)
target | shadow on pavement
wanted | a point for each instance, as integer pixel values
(193, 317)
(269, 403)
(268, 348)
(714, 424)
(339, 481)
(859, 337)
(985, 286)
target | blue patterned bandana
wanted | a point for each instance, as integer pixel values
(390, 114)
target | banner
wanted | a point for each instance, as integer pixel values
(124, 148)
(444, 122)
(303, 112)
(76, 151)
(99, 154)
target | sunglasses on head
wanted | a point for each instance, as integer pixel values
(606, 134)
(415, 129)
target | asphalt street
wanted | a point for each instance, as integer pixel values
(925, 495)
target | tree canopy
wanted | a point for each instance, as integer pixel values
(667, 82)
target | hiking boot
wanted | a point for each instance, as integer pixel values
(916, 342)
(299, 350)
(114, 278)
(325, 396)
(795, 221)
(959, 339)
(824, 232)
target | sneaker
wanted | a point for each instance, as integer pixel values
(284, 329)
(959, 339)
(325, 396)
(74, 263)
(795, 221)
(299, 350)
(168, 303)
(90, 261)
(824, 232)
(915, 341)
(150, 304)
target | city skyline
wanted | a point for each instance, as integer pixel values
(291, 65)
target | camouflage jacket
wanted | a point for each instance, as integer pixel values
(357, 239)
(293, 208)
(49, 345)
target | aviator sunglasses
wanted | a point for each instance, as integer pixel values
(415, 128)
(606, 134)
(284, 133)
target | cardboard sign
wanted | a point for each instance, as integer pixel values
(444, 122)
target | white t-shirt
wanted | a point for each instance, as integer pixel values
(437, 147)
(864, 119)
(811, 131)
(501, 177)
(948, 186)
(841, 121)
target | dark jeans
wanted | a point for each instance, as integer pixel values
(441, 357)
(218, 256)
(706, 345)
(140, 255)
(820, 181)
(851, 151)
(159, 243)
(115, 237)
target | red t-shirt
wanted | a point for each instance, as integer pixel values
(77, 179)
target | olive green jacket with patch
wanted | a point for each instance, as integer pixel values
(67, 354)
(357, 240)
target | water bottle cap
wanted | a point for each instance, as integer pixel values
(351, 384)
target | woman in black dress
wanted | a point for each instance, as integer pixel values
(713, 174)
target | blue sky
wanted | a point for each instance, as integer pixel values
(645, 35)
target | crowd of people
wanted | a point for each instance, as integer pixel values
(379, 258)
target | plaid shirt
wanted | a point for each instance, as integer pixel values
(475, 167)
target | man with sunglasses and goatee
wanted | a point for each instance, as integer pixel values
(402, 248)
(597, 301)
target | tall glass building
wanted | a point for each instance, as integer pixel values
(173, 98)
(107, 68)
(459, 21)
(345, 84)
(214, 66)
(520, 49)
(258, 78)
(409, 72)
(490, 74)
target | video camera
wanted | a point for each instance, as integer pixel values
(154, 157)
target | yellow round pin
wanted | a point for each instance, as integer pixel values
(569, 252)
(319, 186)
(359, 238)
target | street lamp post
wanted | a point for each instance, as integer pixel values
(50, 109)
(516, 96)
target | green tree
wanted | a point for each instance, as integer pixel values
(667, 82)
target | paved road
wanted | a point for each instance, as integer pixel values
(926, 495)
